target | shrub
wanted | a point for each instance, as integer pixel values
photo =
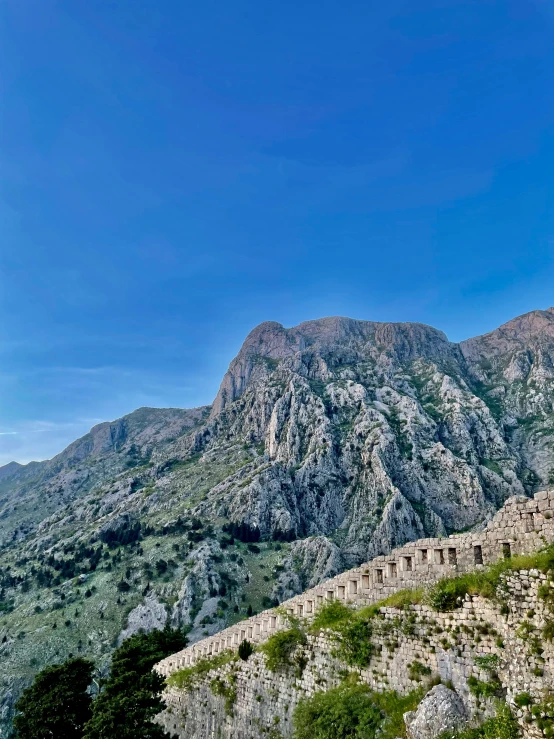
(449, 593)
(488, 662)
(187, 677)
(355, 646)
(548, 630)
(346, 712)
(417, 670)
(353, 710)
(278, 649)
(245, 649)
(523, 699)
(225, 690)
(482, 689)
(330, 616)
(502, 726)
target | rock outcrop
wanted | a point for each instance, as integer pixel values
(440, 711)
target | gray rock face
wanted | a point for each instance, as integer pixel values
(149, 615)
(441, 710)
(309, 562)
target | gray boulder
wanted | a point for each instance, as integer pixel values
(441, 710)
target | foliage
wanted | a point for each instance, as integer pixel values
(246, 648)
(352, 631)
(417, 670)
(523, 699)
(355, 711)
(242, 531)
(345, 712)
(225, 689)
(548, 630)
(330, 615)
(543, 714)
(488, 662)
(278, 649)
(483, 689)
(131, 695)
(501, 726)
(355, 646)
(57, 703)
(449, 593)
(394, 706)
(187, 677)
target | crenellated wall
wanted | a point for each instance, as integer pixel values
(521, 526)
(443, 644)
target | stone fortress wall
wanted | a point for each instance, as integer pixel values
(446, 644)
(521, 526)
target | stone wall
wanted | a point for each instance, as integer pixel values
(411, 645)
(446, 644)
(521, 526)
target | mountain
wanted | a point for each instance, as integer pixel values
(327, 444)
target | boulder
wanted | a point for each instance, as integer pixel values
(441, 710)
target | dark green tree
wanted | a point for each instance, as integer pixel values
(131, 696)
(57, 704)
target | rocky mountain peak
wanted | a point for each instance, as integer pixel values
(515, 335)
(270, 342)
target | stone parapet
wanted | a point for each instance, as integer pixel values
(411, 646)
(521, 526)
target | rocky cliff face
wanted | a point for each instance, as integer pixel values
(330, 442)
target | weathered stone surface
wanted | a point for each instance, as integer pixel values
(441, 710)
(448, 646)
(147, 616)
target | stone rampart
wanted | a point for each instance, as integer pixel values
(411, 646)
(521, 526)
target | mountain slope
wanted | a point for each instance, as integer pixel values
(327, 443)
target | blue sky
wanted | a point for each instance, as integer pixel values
(174, 173)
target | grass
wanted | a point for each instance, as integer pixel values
(186, 678)
(449, 593)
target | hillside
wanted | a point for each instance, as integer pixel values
(327, 444)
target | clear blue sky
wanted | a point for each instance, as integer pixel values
(174, 173)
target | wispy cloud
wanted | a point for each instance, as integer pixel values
(40, 439)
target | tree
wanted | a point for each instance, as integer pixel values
(57, 704)
(131, 696)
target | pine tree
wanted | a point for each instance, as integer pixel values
(57, 704)
(131, 696)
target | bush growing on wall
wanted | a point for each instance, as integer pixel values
(354, 711)
(245, 649)
(279, 648)
(346, 712)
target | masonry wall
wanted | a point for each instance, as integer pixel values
(446, 643)
(521, 526)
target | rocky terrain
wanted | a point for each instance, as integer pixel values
(327, 444)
